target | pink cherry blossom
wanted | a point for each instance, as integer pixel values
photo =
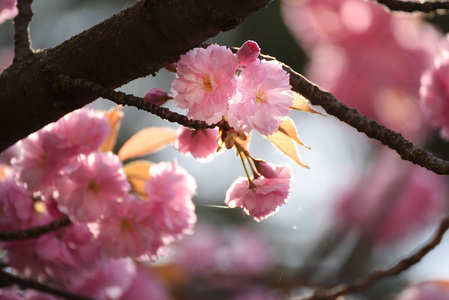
(129, 229)
(108, 282)
(16, 206)
(8, 10)
(394, 199)
(201, 144)
(157, 96)
(170, 189)
(94, 182)
(263, 99)
(264, 199)
(205, 80)
(248, 53)
(429, 290)
(146, 286)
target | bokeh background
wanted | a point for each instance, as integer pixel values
(340, 221)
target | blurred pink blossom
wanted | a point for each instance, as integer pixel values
(263, 99)
(248, 53)
(129, 229)
(205, 80)
(201, 144)
(94, 182)
(394, 199)
(8, 10)
(170, 189)
(431, 290)
(264, 198)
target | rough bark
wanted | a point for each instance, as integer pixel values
(134, 43)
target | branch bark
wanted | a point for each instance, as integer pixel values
(410, 6)
(34, 232)
(134, 43)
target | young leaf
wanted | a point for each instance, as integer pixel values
(137, 173)
(287, 145)
(302, 104)
(146, 141)
(114, 117)
(289, 129)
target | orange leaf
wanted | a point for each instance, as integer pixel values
(146, 141)
(289, 129)
(302, 104)
(284, 143)
(114, 117)
(137, 173)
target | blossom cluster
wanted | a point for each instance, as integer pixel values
(61, 170)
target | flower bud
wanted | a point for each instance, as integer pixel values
(157, 96)
(265, 169)
(248, 53)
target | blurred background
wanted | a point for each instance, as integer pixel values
(358, 207)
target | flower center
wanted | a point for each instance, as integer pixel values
(125, 225)
(207, 84)
(261, 97)
(93, 187)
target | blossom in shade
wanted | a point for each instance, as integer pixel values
(263, 99)
(109, 281)
(16, 206)
(8, 10)
(94, 182)
(248, 53)
(265, 196)
(170, 189)
(129, 229)
(201, 143)
(157, 96)
(146, 285)
(429, 290)
(205, 81)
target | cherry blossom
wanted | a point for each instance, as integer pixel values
(94, 182)
(201, 144)
(205, 80)
(170, 189)
(263, 198)
(8, 10)
(146, 285)
(263, 99)
(248, 53)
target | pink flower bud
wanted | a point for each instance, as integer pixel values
(248, 53)
(171, 67)
(265, 169)
(157, 96)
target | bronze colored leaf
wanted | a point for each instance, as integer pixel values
(287, 145)
(137, 173)
(146, 141)
(302, 104)
(114, 117)
(288, 128)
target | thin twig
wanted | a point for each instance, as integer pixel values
(376, 276)
(22, 48)
(410, 6)
(34, 232)
(63, 82)
(10, 279)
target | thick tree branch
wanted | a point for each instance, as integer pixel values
(22, 47)
(34, 232)
(64, 83)
(10, 279)
(134, 43)
(410, 6)
(406, 149)
(376, 276)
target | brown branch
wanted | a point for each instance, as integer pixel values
(34, 232)
(64, 83)
(406, 149)
(10, 279)
(376, 276)
(410, 6)
(22, 48)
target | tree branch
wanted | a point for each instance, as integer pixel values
(410, 6)
(22, 47)
(376, 276)
(134, 43)
(406, 149)
(10, 279)
(34, 232)
(64, 83)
